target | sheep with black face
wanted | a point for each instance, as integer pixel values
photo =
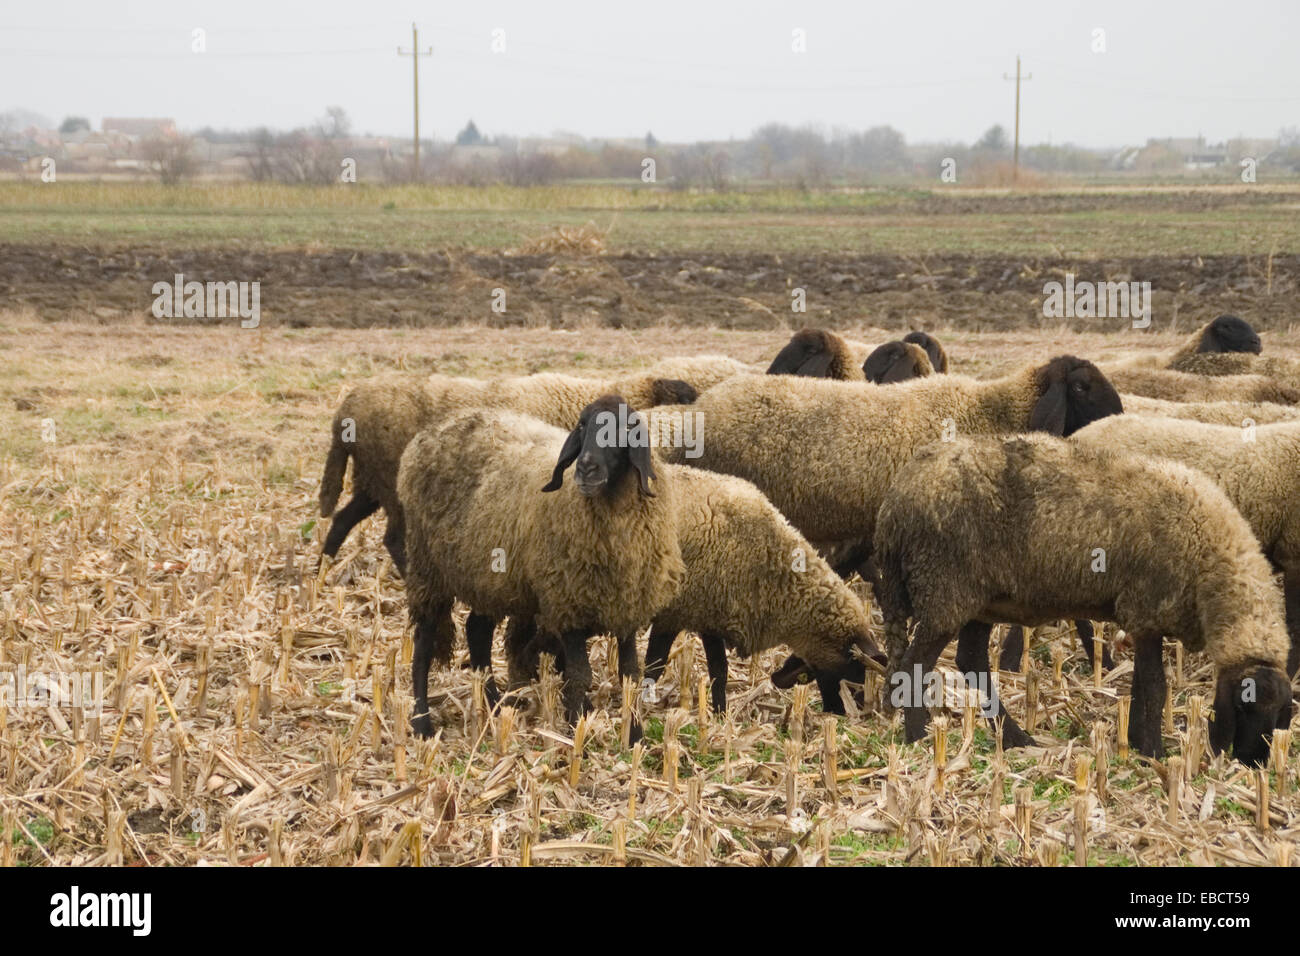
(896, 362)
(987, 530)
(820, 353)
(825, 452)
(597, 555)
(934, 350)
(378, 418)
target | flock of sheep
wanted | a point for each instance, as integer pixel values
(1158, 493)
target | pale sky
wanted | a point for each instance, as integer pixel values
(707, 69)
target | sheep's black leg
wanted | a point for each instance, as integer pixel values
(629, 666)
(577, 674)
(354, 512)
(1148, 696)
(478, 635)
(433, 637)
(1013, 649)
(715, 654)
(1291, 584)
(395, 542)
(521, 649)
(973, 662)
(656, 651)
(908, 684)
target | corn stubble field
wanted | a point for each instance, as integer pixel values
(256, 711)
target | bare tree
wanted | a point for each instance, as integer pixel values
(171, 158)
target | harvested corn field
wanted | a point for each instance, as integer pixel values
(158, 539)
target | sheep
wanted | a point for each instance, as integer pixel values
(1034, 529)
(602, 554)
(1227, 334)
(1186, 387)
(1219, 413)
(825, 452)
(820, 353)
(897, 362)
(1215, 364)
(935, 351)
(377, 418)
(753, 582)
(1258, 468)
(1213, 413)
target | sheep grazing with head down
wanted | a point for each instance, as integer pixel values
(752, 583)
(897, 362)
(1030, 529)
(377, 418)
(597, 555)
(1258, 468)
(820, 353)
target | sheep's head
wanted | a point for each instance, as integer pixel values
(1250, 702)
(795, 670)
(896, 362)
(810, 352)
(1072, 392)
(1228, 333)
(933, 350)
(610, 440)
(672, 391)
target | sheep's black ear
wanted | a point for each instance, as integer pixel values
(790, 672)
(639, 456)
(568, 455)
(903, 370)
(882, 361)
(817, 365)
(1228, 333)
(1224, 725)
(672, 391)
(1049, 411)
(789, 359)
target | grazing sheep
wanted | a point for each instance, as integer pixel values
(825, 452)
(377, 418)
(1185, 387)
(1032, 529)
(896, 362)
(600, 555)
(752, 582)
(1257, 468)
(935, 351)
(820, 353)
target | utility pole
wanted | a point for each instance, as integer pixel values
(415, 55)
(1015, 156)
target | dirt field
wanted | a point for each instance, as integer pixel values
(157, 522)
(730, 290)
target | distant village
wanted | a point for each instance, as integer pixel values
(154, 148)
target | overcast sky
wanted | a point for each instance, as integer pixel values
(684, 69)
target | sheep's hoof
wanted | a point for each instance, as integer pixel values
(914, 725)
(490, 692)
(422, 725)
(634, 734)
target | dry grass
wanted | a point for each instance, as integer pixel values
(256, 711)
(585, 240)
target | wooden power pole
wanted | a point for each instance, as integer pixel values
(1015, 155)
(415, 55)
